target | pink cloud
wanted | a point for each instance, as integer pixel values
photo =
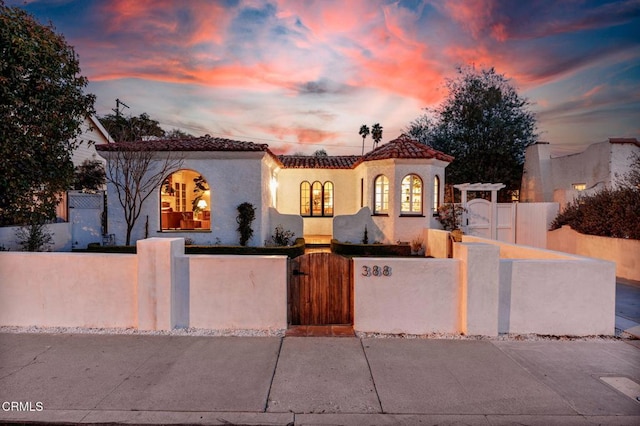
(156, 20)
(304, 135)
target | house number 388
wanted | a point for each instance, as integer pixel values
(376, 271)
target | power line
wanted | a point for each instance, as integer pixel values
(117, 109)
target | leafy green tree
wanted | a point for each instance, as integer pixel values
(89, 175)
(421, 129)
(364, 132)
(42, 105)
(130, 129)
(178, 134)
(376, 134)
(484, 124)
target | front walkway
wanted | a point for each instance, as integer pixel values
(317, 243)
(85, 378)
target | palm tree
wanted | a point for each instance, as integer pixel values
(376, 134)
(364, 131)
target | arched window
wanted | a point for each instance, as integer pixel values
(305, 199)
(411, 195)
(185, 202)
(381, 195)
(436, 194)
(327, 209)
(316, 199)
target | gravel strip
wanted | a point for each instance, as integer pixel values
(281, 333)
(136, 332)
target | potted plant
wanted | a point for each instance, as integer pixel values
(417, 247)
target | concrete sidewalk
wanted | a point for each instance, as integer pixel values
(86, 378)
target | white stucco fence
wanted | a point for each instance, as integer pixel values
(420, 296)
(486, 288)
(236, 292)
(549, 292)
(68, 289)
(61, 235)
(624, 252)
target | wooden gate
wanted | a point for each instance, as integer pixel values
(320, 290)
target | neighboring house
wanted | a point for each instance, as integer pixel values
(562, 179)
(394, 190)
(93, 133)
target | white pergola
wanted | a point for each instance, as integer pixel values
(493, 187)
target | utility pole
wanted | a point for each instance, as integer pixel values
(117, 110)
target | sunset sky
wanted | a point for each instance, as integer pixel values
(305, 75)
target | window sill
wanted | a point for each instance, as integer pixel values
(176, 231)
(381, 214)
(411, 215)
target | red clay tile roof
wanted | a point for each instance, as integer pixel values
(402, 147)
(313, 162)
(405, 147)
(203, 143)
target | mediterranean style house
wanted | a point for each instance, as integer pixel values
(393, 191)
(562, 179)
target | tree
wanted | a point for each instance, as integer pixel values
(89, 175)
(130, 129)
(320, 153)
(376, 134)
(421, 129)
(135, 169)
(178, 134)
(485, 125)
(364, 132)
(42, 105)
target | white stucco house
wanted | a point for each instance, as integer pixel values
(561, 179)
(392, 190)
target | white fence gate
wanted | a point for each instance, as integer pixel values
(482, 223)
(85, 215)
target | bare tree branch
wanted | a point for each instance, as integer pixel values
(135, 174)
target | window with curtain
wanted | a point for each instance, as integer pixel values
(411, 195)
(381, 195)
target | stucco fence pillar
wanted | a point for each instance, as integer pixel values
(479, 287)
(163, 284)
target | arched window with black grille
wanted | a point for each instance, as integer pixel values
(316, 199)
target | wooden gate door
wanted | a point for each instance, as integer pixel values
(320, 290)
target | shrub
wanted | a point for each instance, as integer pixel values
(34, 237)
(281, 238)
(450, 216)
(608, 213)
(246, 216)
(375, 249)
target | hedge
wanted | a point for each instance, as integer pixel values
(297, 249)
(608, 213)
(348, 249)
